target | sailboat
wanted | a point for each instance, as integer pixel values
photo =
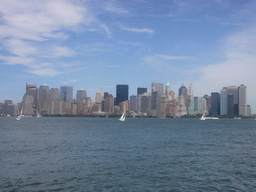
(20, 115)
(122, 118)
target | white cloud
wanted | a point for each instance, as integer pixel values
(137, 30)
(166, 63)
(106, 29)
(47, 72)
(19, 47)
(115, 9)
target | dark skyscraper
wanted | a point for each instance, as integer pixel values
(230, 104)
(141, 90)
(215, 103)
(122, 93)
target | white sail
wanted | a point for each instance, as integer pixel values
(20, 115)
(122, 118)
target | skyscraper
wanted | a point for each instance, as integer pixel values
(242, 100)
(233, 90)
(66, 93)
(215, 103)
(157, 89)
(31, 89)
(141, 90)
(99, 96)
(167, 89)
(133, 103)
(54, 93)
(44, 98)
(184, 92)
(191, 90)
(122, 93)
(224, 101)
(81, 95)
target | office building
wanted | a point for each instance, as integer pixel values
(81, 95)
(141, 90)
(99, 96)
(197, 105)
(109, 104)
(224, 101)
(33, 90)
(133, 103)
(215, 103)
(230, 104)
(54, 94)
(167, 89)
(157, 89)
(66, 93)
(184, 92)
(44, 98)
(191, 90)
(105, 95)
(242, 90)
(233, 90)
(122, 93)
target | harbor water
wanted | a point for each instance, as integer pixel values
(104, 154)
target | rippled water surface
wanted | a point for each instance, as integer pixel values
(103, 154)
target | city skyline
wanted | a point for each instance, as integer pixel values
(94, 45)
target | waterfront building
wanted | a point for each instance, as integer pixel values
(197, 105)
(81, 95)
(230, 104)
(145, 103)
(215, 103)
(66, 93)
(33, 90)
(157, 89)
(12, 109)
(28, 104)
(242, 90)
(224, 101)
(122, 93)
(54, 93)
(109, 104)
(44, 98)
(184, 92)
(233, 90)
(133, 103)
(161, 113)
(99, 96)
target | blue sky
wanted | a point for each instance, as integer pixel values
(98, 44)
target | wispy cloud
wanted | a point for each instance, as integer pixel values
(137, 30)
(114, 8)
(166, 63)
(106, 29)
(47, 72)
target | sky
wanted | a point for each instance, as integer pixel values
(97, 44)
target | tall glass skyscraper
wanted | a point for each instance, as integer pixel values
(242, 100)
(215, 103)
(44, 98)
(66, 93)
(122, 93)
(224, 101)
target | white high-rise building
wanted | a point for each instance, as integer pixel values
(191, 90)
(242, 99)
(99, 96)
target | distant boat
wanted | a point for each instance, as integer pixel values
(38, 115)
(20, 115)
(204, 118)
